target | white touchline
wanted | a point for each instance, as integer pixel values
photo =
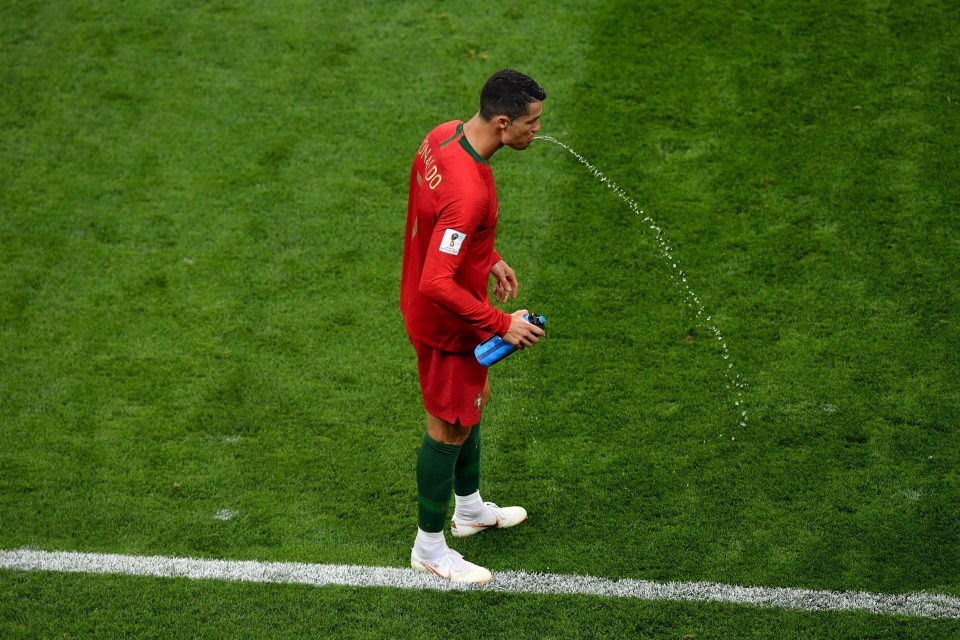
(920, 604)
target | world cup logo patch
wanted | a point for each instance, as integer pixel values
(452, 241)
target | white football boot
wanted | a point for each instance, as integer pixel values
(451, 566)
(492, 517)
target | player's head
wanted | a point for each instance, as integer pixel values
(512, 99)
(509, 93)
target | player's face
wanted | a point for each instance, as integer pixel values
(520, 131)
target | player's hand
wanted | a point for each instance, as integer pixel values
(522, 333)
(505, 282)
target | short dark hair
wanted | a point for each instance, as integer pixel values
(509, 93)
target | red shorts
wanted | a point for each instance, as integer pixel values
(452, 384)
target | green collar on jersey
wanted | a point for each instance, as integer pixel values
(458, 135)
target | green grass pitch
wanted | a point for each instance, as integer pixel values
(201, 216)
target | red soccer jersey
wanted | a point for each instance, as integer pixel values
(448, 246)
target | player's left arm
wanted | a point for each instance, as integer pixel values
(504, 279)
(450, 242)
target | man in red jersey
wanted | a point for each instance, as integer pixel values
(448, 260)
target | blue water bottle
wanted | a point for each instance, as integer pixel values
(494, 349)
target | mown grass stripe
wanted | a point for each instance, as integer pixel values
(919, 604)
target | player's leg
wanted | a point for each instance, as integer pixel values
(436, 462)
(436, 465)
(473, 515)
(449, 387)
(467, 472)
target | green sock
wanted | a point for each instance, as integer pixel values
(435, 465)
(467, 471)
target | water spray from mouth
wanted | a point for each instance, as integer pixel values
(679, 278)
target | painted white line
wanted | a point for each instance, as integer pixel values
(920, 604)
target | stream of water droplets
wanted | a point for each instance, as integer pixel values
(702, 319)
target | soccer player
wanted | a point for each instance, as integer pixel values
(448, 260)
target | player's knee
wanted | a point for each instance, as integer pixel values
(458, 434)
(445, 432)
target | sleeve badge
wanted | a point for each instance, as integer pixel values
(452, 241)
